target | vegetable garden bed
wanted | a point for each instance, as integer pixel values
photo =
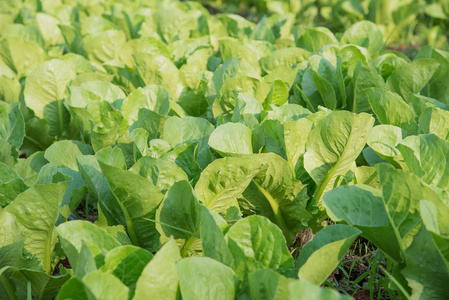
(267, 150)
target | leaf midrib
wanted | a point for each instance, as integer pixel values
(332, 170)
(218, 196)
(280, 221)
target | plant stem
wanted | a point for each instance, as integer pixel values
(36, 143)
(396, 282)
(187, 245)
(276, 211)
(86, 207)
(61, 121)
(8, 287)
(29, 296)
(48, 253)
(306, 99)
(129, 225)
(398, 237)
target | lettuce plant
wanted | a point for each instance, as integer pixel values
(152, 149)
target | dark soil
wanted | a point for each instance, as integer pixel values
(62, 263)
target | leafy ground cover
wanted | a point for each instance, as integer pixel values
(156, 150)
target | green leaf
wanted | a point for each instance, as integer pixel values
(256, 243)
(82, 262)
(37, 137)
(138, 199)
(412, 77)
(251, 86)
(29, 167)
(420, 103)
(309, 90)
(76, 189)
(26, 32)
(230, 139)
(287, 113)
(319, 257)
(384, 139)
(279, 93)
(95, 91)
(151, 122)
(121, 75)
(437, 87)
(112, 156)
(183, 50)
(367, 77)
(288, 57)
(401, 193)
(365, 34)
(193, 103)
(333, 145)
(224, 180)
(12, 125)
(39, 218)
(152, 45)
(303, 290)
(78, 63)
(171, 24)
(273, 133)
(230, 47)
(64, 153)
(98, 186)
(45, 90)
(233, 67)
(43, 285)
(180, 130)
(431, 280)
(391, 109)
(236, 25)
(268, 284)
(326, 91)
(73, 39)
(433, 215)
(8, 155)
(180, 209)
(351, 203)
(295, 137)
(159, 279)
(73, 289)
(436, 121)
(97, 102)
(157, 69)
(352, 57)
(10, 89)
(104, 47)
(85, 245)
(11, 185)
(204, 278)
(12, 251)
(48, 26)
(21, 56)
(427, 156)
(151, 97)
(212, 239)
(127, 264)
(283, 73)
(368, 176)
(185, 157)
(111, 131)
(104, 286)
(162, 172)
(276, 194)
(315, 38)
